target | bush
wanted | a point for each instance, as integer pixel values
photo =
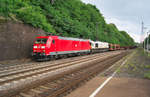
(66, 18)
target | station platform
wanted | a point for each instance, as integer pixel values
(116, 87)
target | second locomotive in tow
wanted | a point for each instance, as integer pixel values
(48, 47)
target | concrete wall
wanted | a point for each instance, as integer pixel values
(16, 40)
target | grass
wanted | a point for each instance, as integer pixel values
(147, 75)
(137, 64)
(147, 66)
(2, 19)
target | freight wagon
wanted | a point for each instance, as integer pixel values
(99, 46)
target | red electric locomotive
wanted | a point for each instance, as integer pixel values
(54, 46)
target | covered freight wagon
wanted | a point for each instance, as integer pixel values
(98, 46)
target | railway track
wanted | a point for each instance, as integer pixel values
(24, 81)
(4, 69)
(7, 77)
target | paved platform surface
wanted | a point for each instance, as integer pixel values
(116, 87)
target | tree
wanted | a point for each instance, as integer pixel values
(71, 18)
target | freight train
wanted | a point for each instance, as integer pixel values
(50, 47)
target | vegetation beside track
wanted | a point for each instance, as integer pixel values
(66, 18)
(147, 55)
(137, 65)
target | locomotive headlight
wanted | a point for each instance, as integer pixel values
(43, 47)
(35, 46)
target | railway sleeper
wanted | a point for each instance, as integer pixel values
(71, 76)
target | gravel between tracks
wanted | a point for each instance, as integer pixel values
(18, 84)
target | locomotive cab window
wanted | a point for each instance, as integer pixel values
(90, 43)
(53, 41)
(38, 41)
(41, 41)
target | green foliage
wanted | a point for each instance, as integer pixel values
(147, 39)
(66, 18)
(22, 10)
(147, 75)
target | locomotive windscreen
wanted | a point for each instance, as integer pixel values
(41, 41)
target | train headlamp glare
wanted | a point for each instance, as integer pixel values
(43, 47)
(35, 46)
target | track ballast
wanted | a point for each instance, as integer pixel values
(50, 79)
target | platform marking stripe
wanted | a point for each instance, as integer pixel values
(105, 82)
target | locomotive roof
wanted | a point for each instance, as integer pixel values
(64, 38)
(70, 38)
(42, 37)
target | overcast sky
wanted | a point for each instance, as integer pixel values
(125, 14)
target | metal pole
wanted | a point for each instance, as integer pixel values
(52, 2)
(144, 45)
(142, 30)
(142, 33)
(148, 42)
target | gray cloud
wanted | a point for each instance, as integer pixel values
(126, 9)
